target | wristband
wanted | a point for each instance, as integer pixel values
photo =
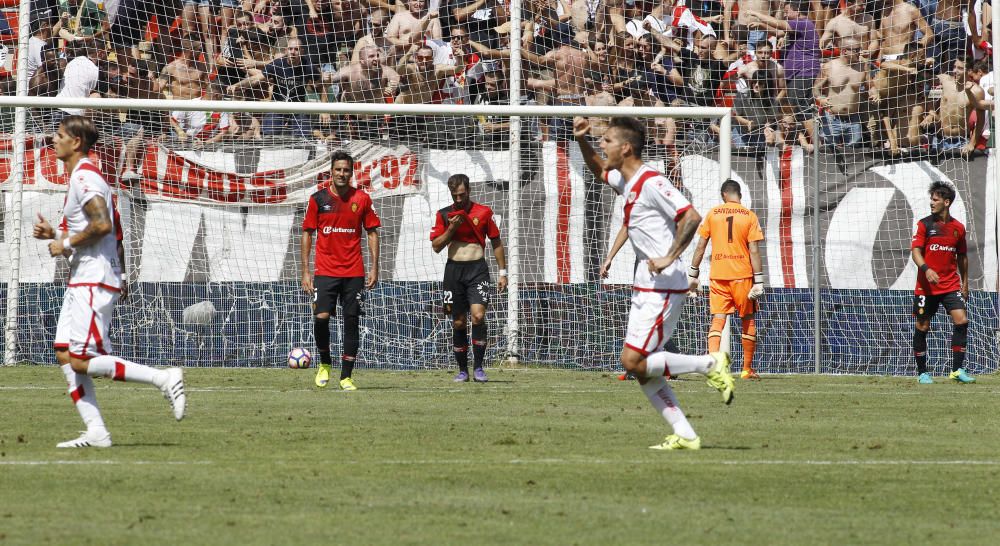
(67, 244)
(693, 272)
(502, 273)
(758, 278)
(924, 267)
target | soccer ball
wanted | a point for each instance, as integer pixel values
(299, 358)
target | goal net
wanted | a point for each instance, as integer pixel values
(841, 116)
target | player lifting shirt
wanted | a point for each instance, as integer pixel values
(464, 227)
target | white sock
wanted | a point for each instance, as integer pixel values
(655, 367)
(120, 369)
(678, 364)
(662, 397)
(81, 391)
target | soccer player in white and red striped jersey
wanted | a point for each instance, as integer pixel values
(661, 223)
(86, 236)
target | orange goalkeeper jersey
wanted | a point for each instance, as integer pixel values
(731, 227)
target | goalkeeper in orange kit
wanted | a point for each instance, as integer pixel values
(736, 278)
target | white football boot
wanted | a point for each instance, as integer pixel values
(173, 391)
(89, 439)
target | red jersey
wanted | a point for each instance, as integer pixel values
(942, 243)
(478, 224)
(338, 223)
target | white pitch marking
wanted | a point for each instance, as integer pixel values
(102, 462)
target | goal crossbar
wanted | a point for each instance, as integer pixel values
(693, 112)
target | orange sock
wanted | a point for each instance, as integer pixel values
(749, 336)
(715, 333)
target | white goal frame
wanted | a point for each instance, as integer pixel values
(514, 112)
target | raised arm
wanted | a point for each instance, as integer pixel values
(596, 164)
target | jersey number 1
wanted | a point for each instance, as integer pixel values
(729, 221)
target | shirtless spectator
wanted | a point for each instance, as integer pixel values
(738, 32)
(897, 97)
(950, 37)
(959, 100)
(366, 81)
(853, 23)
(419, 79)
(840, 92)
(897, 32)
(802, 58)
(184, 79)
(412, 25)
(378, 20)
(569, 63)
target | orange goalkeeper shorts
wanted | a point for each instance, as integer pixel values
(731, 296)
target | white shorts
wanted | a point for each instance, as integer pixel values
(85, 320)
(191, 121)
(652, 318)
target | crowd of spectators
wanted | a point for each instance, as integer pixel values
(893, 75)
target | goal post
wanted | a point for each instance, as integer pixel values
(160, 202)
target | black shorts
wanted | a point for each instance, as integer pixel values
(350, 291)
(465, 284)
(925, 306)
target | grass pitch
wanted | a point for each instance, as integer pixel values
(533, 457)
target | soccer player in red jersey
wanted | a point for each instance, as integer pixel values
(939, 250)
(337, 216)
(464, 227)
(87, 238)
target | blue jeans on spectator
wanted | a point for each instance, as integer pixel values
(841, 130)
(743, 139)
(927, 7)
(753, 37)
(287, 124)
(950, 42)
(943, 144)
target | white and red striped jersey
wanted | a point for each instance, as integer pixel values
(95, 264)
(652, 208)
